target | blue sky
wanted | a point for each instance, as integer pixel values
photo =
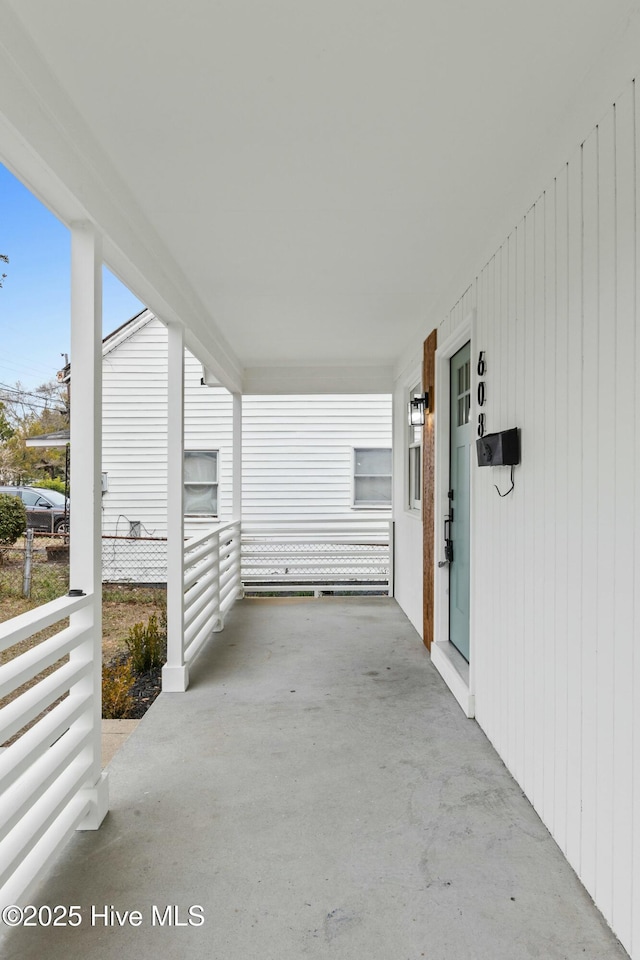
(34, 301)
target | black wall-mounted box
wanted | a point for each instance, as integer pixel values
(499, 449)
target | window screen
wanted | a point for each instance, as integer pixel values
(372, 477)
(201, 482)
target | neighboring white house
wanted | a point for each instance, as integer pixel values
(305, 459)
(134, 437)
(303, 456)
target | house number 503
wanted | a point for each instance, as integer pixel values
(482, 396)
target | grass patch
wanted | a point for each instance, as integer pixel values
(125, 593)
(48, 581)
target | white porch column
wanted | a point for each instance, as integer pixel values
(236, 493)
(85, 541)
(236, 490)
(175, 673)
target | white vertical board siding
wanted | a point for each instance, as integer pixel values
(297, 453)
(571, 434)
(623, 464)
(590, 437)
(554, 663)
(561, 662)
(627, 367)
(557, 563)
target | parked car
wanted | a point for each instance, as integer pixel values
(47, 510)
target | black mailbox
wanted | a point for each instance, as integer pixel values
(499, 449)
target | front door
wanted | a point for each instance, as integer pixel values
(459, 484)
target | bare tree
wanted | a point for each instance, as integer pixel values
(28, 414)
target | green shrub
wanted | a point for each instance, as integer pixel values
(117, 681)
(162, 604)
(13, 519)
(146, 645)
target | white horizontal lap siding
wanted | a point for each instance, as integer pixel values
(208, 426)
(134, 431)
(557, 563)
(298, 453)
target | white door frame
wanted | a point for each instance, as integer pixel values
(456, 673)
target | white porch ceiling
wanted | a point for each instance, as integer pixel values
(317, 176)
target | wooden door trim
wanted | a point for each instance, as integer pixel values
(428, 488)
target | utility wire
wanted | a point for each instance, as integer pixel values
(24, 393)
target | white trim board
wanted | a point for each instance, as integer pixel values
(299, 380)
(456, 673)
(454, 670)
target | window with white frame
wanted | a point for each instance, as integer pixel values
(201, 483)
(414, 459)
(372, 477)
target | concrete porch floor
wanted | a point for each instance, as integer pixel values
(319, 793)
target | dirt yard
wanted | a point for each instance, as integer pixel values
(123, 605)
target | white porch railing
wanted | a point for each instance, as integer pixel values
(338, 555)
(323, 554)
(44, 769)
(211, 583)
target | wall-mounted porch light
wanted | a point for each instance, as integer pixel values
(416, 409)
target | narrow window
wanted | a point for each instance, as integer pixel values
(201, 483)
(372, 477)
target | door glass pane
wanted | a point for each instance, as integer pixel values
(415, 478)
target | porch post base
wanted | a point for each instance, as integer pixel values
(99, 798)
(175, 679)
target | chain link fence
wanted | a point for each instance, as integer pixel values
(39, 572)
(140, 561)
(134, 560)
(329, 561)
(320, 556)
(270, 561)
